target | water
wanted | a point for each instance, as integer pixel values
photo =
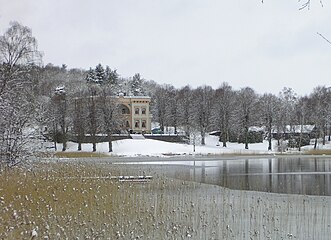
(308, 176)
(171, 208)
(291, 175)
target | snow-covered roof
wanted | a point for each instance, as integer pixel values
(256, 129)
(136, 97)
(296, 129)
(60, 90)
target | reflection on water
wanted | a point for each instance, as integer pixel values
(310, 176)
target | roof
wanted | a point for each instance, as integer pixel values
(296, 129)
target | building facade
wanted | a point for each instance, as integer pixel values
(136, 113)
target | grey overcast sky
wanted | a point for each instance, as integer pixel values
(243, 42)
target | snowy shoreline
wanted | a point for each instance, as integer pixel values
(155, 148)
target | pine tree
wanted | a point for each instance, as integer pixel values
(136, 85)
(90, 77)
(111, 76)
(99, 74)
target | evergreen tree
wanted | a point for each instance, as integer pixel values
(136, 85)
(90, 77)
(111, 76)
(100, 74)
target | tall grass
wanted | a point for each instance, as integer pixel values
(319, 152)
(79, 201)
(80, 154)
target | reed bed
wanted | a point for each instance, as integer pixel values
(80, 154)
(319, 152)
(78, 201)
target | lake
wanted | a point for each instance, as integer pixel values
(292, 175)
(80, 198)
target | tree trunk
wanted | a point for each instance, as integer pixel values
(300, 137)
(64, 140)
(94, 146)
(270, 142)
(315, 145)
(203, 136)
(224, 137)
(324, 134)
(246, 130)
(110, 142)
(94, 143)
(224, 144)
(269, 136)
(55, 137)
(246, 138)
(64, 146)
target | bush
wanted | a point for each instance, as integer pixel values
(253, 137)
(294, 142)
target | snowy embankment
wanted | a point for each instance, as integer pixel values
(148, 147)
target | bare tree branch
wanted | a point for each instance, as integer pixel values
(328, 41)
(305, 5)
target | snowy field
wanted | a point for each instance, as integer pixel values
(148, 147)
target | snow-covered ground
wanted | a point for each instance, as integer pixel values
(148, 147)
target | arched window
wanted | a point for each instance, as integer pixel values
(137, 124)
(143, 123)
(125, 109)
(136, 111)
(143, 111)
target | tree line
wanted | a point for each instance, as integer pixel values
(76, 102)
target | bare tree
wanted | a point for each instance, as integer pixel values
(79, 120)
(18, 53)
(301, 113)
(172, 111)
(184, 109)
(202, 103)
(268, 106)
(93, 122)
(110, 113)
(60, 103)
(319, 107)
(286, 122)
(17, 48)
(246, 102)
(223, 109)
(160, 99)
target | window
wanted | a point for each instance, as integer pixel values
(143, 111)
(127, 124)
(137, 124)
(136, 111)
(124, 109)
(143, 123)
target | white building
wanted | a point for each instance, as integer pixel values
(136, 111)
